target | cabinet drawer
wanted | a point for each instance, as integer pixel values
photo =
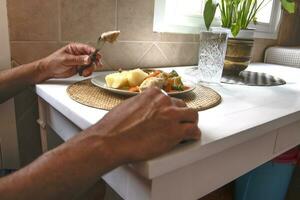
(287, 137)
(60, 124)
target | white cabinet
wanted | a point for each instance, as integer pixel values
(8, 131)
(287, 137)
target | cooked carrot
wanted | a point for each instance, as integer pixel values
(134, 89)
(168, 86)
(154, 74)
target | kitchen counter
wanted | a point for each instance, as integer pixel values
(251, 126)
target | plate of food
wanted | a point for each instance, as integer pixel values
(132, 82)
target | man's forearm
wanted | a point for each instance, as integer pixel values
(63, 173)
(12, 81)
(61, 64)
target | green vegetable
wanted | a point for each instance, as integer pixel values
(177, 84)
(173, 73)
(177, 87)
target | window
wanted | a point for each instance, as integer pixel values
(185, 16)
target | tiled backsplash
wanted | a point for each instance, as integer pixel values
(39, 27)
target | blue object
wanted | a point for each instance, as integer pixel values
(4, 172)
(269, 181)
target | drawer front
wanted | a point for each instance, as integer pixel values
(287, 137)
(60, 124)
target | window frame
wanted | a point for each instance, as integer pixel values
(263, 30)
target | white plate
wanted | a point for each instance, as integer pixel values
(100, 82)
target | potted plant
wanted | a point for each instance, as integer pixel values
(236, 15)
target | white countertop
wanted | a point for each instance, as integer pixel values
(246, 112)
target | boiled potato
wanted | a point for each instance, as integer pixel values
(117, 80)
(136, 77)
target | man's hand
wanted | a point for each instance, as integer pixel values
(61, 64)
(64, 62)
(141, 128)
(148, 125)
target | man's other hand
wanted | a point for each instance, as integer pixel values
(64, 62)
(148, 125)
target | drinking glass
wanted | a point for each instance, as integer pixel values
(212, 50)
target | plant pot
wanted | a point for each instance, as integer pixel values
(238, 54)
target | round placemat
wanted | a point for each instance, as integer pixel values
(253, 79)
(84, 92)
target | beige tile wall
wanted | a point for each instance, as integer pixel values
(38, 27)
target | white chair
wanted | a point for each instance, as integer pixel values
(289, 56)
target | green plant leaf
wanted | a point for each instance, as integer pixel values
(209, 12)
(235, 29)
(254, 20)
(238, 14)
(289, 6)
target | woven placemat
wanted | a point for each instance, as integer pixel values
(84, 92)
